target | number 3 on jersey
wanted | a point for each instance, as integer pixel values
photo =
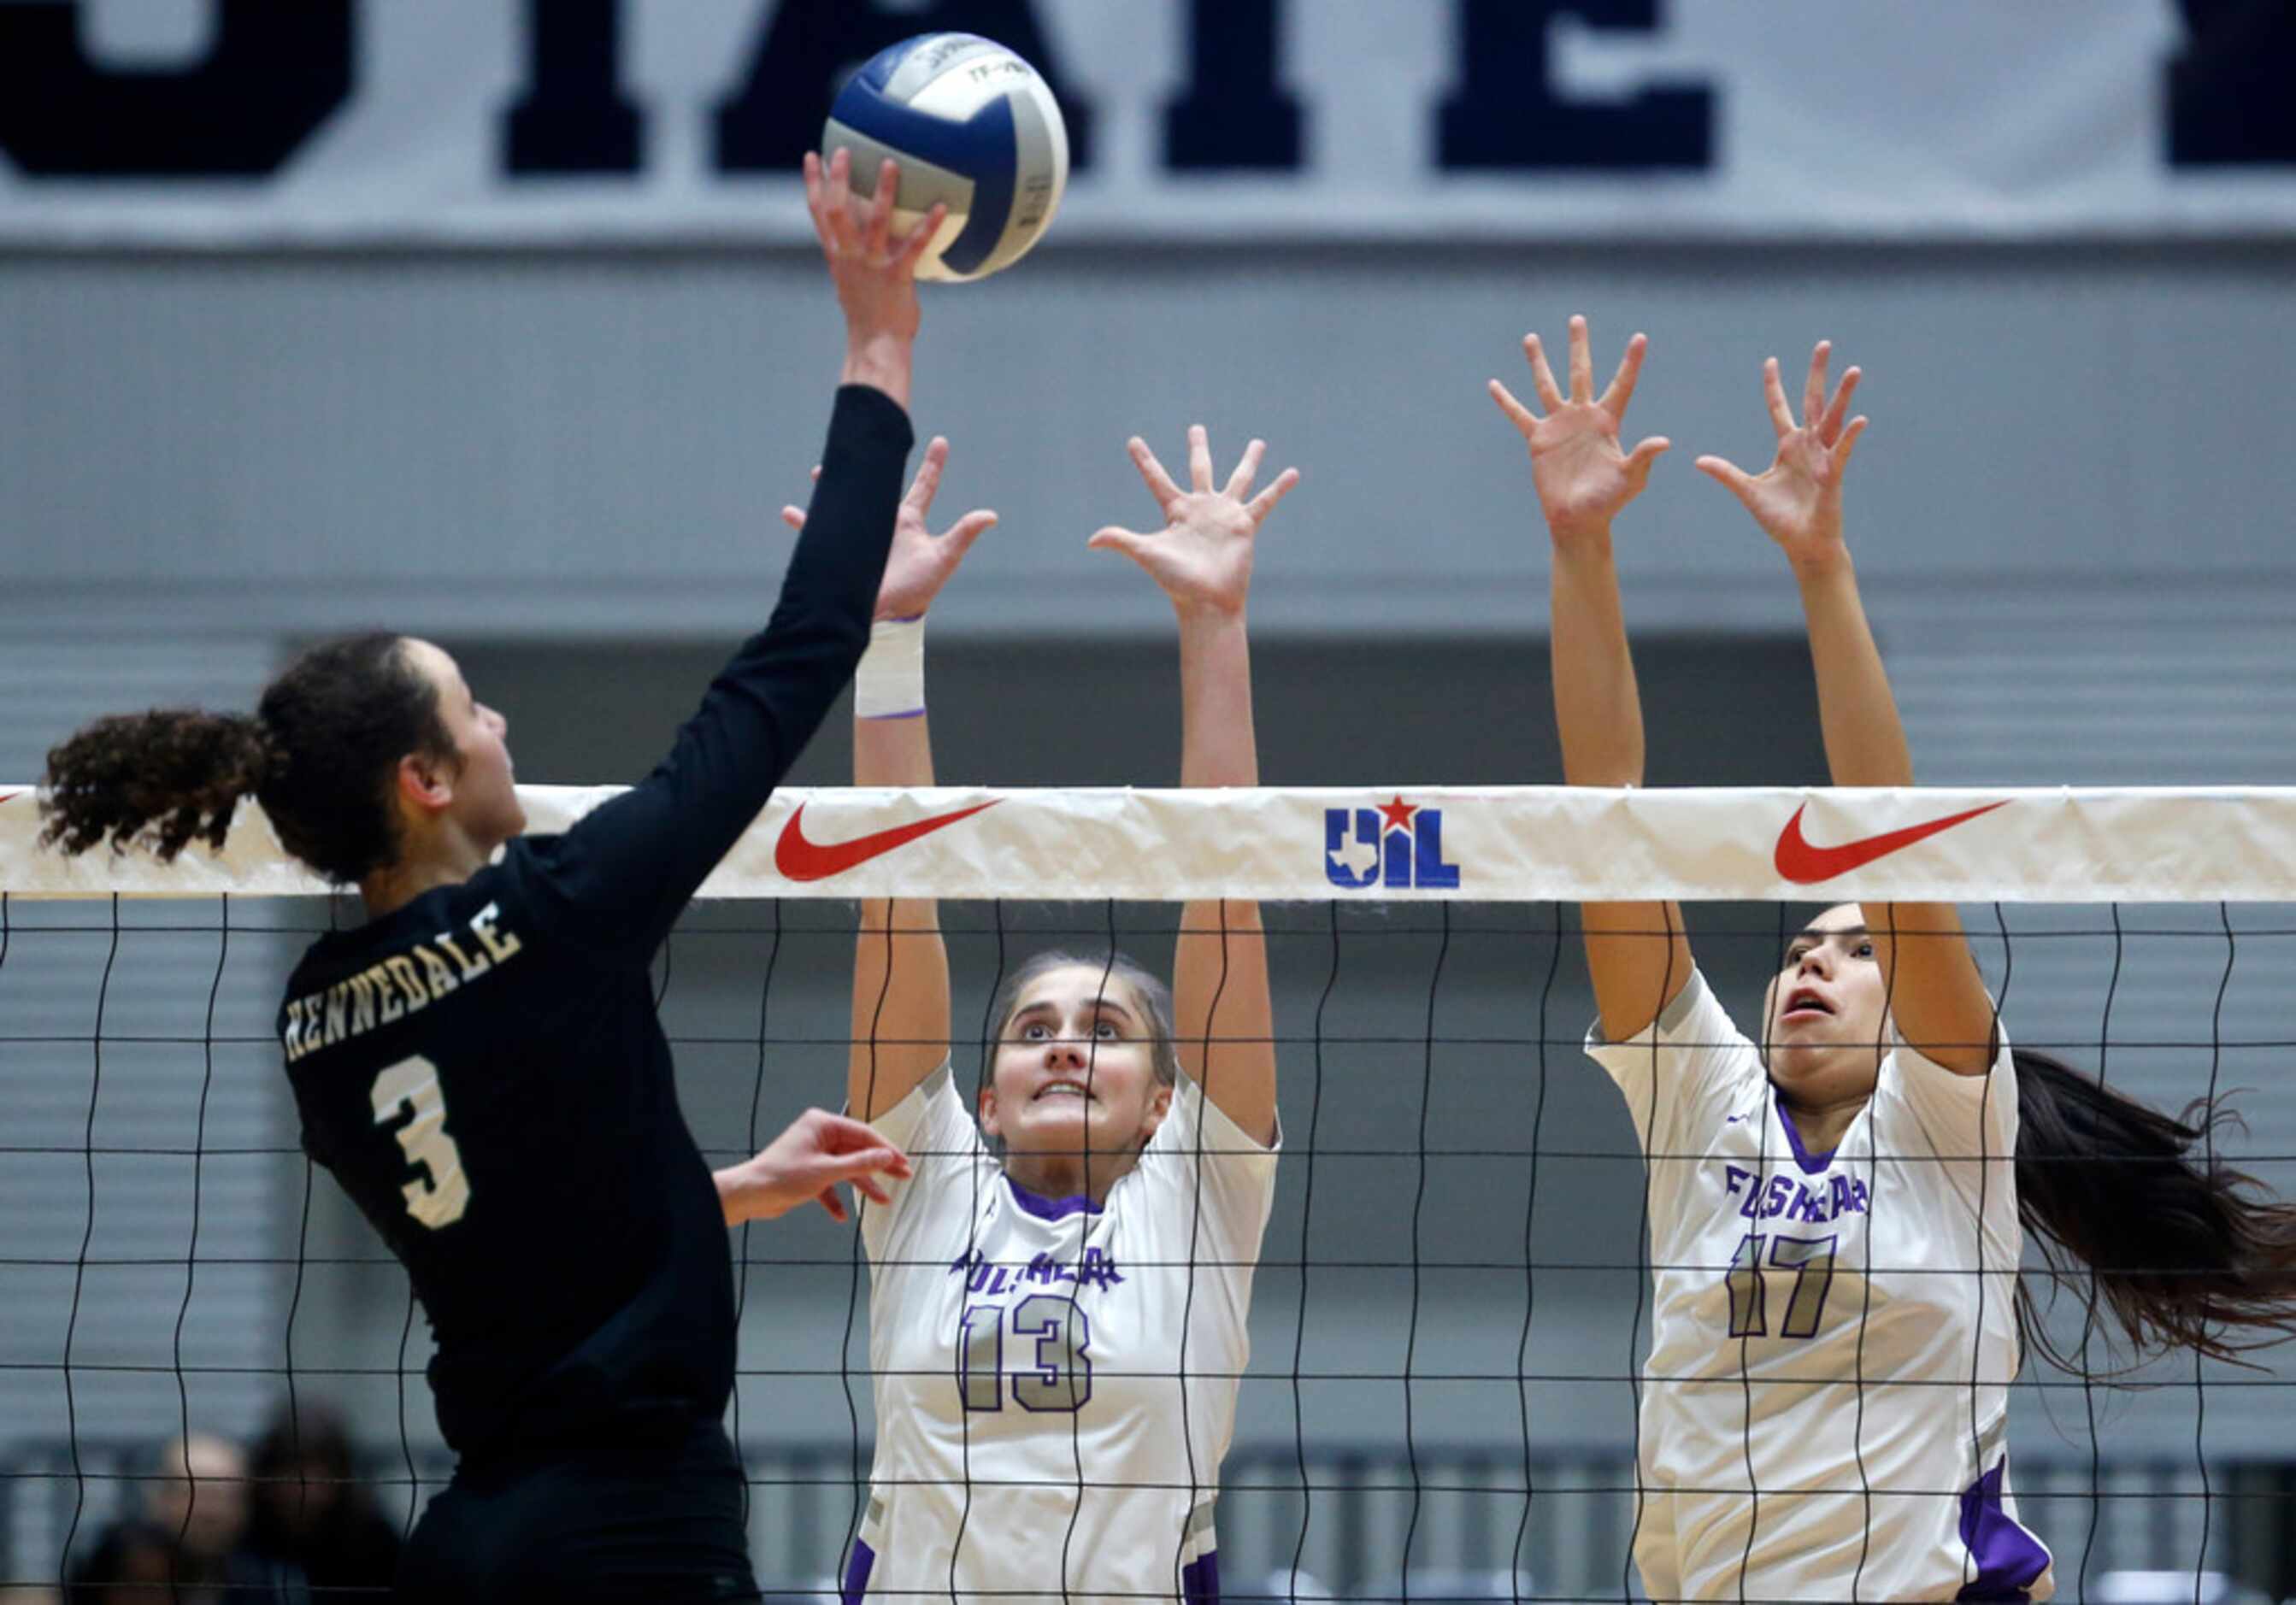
(411, 1087)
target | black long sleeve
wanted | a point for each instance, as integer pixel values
(483, 1070)
(617, 882)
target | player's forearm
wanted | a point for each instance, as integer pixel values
(1598, 711)
(899, 752)
(1220, 960)
(1865, 737)
(1937, 998)
(901, 1005)
(1219, 746)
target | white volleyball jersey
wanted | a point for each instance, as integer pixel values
(1833, 1335)
(1055, 1382)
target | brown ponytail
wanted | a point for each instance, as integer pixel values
(2186, 1251)
(161, 780)
(319, 754)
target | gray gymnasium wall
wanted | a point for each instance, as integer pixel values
(2072, 514)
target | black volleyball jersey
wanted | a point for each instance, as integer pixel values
(483, 1071)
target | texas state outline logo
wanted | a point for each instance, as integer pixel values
(1394, 846)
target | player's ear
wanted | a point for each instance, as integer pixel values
(424, 782)
(1160, 1106)
(989, 1109)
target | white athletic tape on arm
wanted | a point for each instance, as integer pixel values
(890, 682)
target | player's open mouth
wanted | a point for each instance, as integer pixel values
(1803, 1003)
(1062, 1089)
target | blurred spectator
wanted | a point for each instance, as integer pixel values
(130, 1566)
(307, 1511)
(187, 1545)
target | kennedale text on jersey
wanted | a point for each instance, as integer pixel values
(395, 988)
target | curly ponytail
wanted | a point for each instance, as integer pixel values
(163, 778)
(2187, 1253)
(318, 754)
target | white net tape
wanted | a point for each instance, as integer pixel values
(1465, 844)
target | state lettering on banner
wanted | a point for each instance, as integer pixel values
(768, 124)
(1508, 113)
(271, 74)
(574, 116)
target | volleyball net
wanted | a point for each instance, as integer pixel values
(1453, 1300)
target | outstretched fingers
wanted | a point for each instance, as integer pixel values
(877, 222)
(919, 240)
(1200, 458)
(1152, 473)
(1115, 537)
(1646, 453)
(1774, 391)
(1518, 414)
(1829, 428)
(1582, 360)
(1622, 383)
(1813, 390)
(1731, 478)
(919, 498)
(1849, 442)
(1264, 504)
(1238, 483)
(836, 214)
(813, 180)
(966, 530)
(1542, 377)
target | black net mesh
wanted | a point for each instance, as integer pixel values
(1452, 1305)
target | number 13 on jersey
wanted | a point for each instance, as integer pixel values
(1057, 1374)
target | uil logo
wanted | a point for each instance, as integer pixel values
(1397, 844)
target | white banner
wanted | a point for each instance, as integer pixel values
(1462, 844)
(331, 122)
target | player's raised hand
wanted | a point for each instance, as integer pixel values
(1797, 500)
(1582, 475)
(808, 1163)
(1202, 556)
(921, 562)
(874, 271)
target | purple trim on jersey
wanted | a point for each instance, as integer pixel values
(1812, 1164)
(856, 1573)
(2008, 1557)
(914, 713)
(1200, 1580)
(1051, 1208)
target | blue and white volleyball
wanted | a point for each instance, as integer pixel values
(971, 124)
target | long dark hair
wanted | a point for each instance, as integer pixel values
(2187, 1252)
(318, 754)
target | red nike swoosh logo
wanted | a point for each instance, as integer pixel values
(5, 795)
(798, 859)
(1802, 863)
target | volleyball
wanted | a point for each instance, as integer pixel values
(972, 125)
